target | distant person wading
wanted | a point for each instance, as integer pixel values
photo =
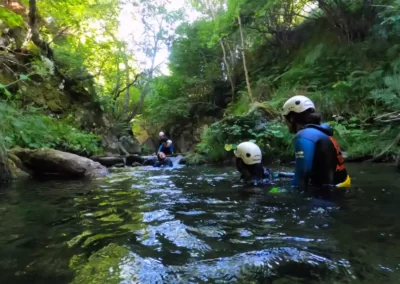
(165, 145)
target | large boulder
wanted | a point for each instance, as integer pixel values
(130, 145)
(53, 162)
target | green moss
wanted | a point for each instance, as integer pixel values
(104, 266)
(195, 158)
(55, 106)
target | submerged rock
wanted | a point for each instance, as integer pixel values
(54, 162)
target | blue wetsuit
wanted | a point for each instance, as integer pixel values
(167, 150)
(255, 175)
(166, 162)
(319, 160)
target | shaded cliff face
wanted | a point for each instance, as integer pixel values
(28, 80)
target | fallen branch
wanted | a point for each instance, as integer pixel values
(381, 155)
(388, 117)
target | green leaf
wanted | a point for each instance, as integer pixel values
(23, 77)
(8, 94)
(228, 147)
(27, 140)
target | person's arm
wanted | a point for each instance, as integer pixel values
(304, 151)
(159, 149)
(169, 142)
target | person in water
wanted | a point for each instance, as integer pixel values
(319, 160)
(162, 161)
(249, 164)
(165, 145)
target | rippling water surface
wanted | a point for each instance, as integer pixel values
(196, 225)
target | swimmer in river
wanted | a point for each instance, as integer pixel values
(249, 164)
(163, 161)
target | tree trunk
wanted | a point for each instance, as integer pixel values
(228, 71)
(127, 91)
(246, 74)
(44, 46)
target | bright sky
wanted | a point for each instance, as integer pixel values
(131, 31)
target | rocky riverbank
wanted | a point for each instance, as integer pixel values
(49, 162)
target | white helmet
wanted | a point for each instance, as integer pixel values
(249, 152)
(161, 134)
(297, 104)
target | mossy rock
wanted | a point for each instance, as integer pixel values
(104, 266)
(55, 106)
(264, 110)
(11, 168)
(194, 159)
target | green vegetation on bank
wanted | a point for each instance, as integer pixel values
(345, 55)
(68, 61)
(30, 128)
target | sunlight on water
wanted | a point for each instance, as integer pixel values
(196, 225)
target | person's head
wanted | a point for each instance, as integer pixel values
(161, 156)
(161, 135)
(248, 160)
(299, 111)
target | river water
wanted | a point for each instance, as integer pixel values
(197, 225)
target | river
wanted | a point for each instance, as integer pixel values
(197, 225)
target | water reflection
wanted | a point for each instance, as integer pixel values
(185, 225)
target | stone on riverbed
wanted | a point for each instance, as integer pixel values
(54, 162)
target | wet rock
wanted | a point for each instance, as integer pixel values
(130, 145)
(122, 165)
(108, 161)
(111, 144)
(53, 162)
(263, 110)
(398, 162)
(131, 159)
(185, 136)
(134, 165)
(149, 161)
(10, 169)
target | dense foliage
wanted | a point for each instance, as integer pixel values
(30, 128)
(343, 54)
(74, 50)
